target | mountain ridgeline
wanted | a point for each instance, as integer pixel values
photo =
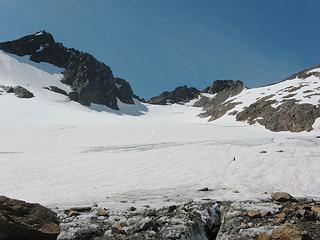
(290, 105)
(91, 81)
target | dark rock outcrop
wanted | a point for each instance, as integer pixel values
(19, 91)
(305, 73)
(125, 92)
(91, 80)
(217, 106)
(221, 85)
(26, 221)
(139, 98)
(288, 116)
(57, 90)
(181, 94)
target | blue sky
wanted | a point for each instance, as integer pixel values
(160, 44)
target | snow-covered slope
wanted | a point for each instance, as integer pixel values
(58, 152)
(291, 105)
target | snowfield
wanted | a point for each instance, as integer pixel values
(58, 153)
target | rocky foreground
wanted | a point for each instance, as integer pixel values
(280, 218)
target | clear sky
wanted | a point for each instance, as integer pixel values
(160, 44)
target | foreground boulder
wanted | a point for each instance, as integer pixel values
(20, 220)
(181, 94)
(282, 197)
(91, 80)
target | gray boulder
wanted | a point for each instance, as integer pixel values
(21, 92)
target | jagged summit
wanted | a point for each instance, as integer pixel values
(28, 45)
(220, 85)
(91, 81)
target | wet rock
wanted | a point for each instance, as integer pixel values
(282, 197)
(28, 221)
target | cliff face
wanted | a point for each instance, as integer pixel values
(91, 80)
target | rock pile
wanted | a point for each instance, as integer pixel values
(281, 217)
(187, 221)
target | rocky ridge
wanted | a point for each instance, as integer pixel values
(91, 80)
(180, 95)
(218, 105)
(291, 105)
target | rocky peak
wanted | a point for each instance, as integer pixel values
(220, 85)
(91, 80)
(181, 94)
(29, 44)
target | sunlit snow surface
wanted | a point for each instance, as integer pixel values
(58, 152)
